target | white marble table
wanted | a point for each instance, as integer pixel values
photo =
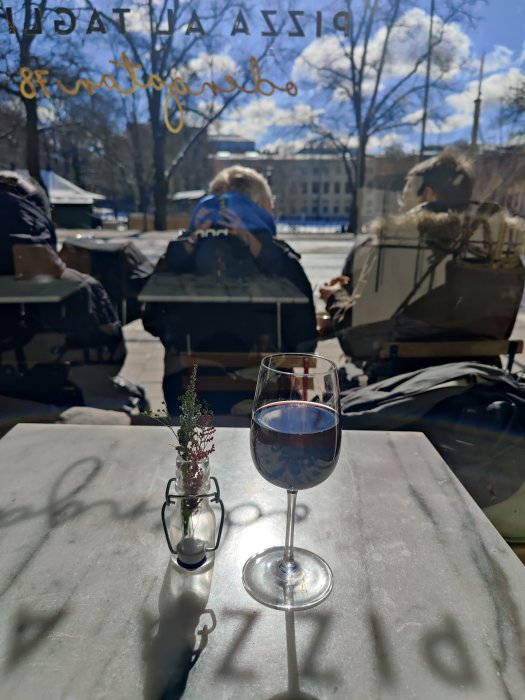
(428, 601)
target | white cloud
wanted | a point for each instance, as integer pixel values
(500, 57)
(459, 120)
(258, 116)
(211, 66)
(413, 118)
(494, 89)
(286, 147)
(47, 114)
(379, 143)
(137, 20)
(324, 60)
(408, 43)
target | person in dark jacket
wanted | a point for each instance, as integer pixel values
(64, 353)
(26, 217)
(232, 233)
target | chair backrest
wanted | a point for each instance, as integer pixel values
(32, 260)
(225, 381)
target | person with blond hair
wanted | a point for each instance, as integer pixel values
(232, 233)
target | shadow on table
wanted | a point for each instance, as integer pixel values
(64, 501)
(294, 691)
(170, 646)
(29, 630)
(442, 646)
(318, 625)
(447, 654)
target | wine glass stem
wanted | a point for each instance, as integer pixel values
(288, 566)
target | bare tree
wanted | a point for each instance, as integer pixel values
(19, 54)
(376, 76)
(154, 49)
(23, 47)
(513, 112)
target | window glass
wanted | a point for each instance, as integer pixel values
(121, 155)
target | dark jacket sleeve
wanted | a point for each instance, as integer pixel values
(298, 320)
(178, 259)
(270, 258)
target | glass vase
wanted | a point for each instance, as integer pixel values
(190, 526)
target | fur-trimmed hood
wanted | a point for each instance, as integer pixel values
(484, 231)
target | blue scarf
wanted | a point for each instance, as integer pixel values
(253, 217)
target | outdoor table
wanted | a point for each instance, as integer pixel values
(22, 291)
(428, 600)
(189, 288)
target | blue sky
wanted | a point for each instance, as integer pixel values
(503, 23)
(499, 35)
(276, 121)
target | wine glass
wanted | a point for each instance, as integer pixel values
(295, 439)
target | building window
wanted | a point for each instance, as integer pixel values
(326, 187)
(337, 187)
(336, 210)
(325, 209)
(315, 187)
(304, 187)
(347, 186)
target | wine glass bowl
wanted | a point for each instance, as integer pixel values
(295, 438)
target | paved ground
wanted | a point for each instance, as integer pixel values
(322, 258)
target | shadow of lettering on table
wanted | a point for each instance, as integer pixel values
(240, 638)
(447, 654)
(173, 642)
(64, 504)
(385, 663)
(442, 646)
(29, 630)
(498, 587)
(499, 600)
(247, 633)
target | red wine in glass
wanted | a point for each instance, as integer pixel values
(295, 444)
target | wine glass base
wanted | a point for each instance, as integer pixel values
(307, 587)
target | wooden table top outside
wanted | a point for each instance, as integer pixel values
(428, 600)
(167, 287)
(22, 291)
